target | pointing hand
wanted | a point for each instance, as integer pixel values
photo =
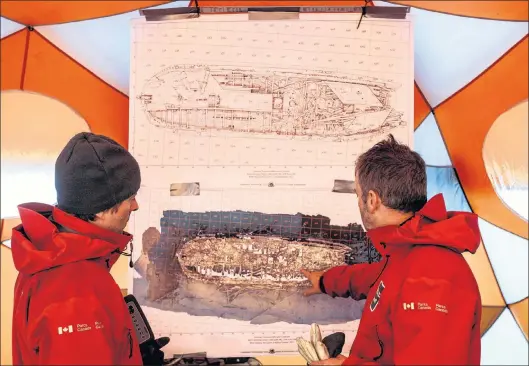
(314, 279)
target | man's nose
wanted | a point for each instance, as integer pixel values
(134, 206)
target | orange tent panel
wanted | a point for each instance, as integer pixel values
(520, 311)
(6, 227)
(12, 52)
(421, 107)
(51, 72)
(470, 113)
(499, 10)
(53, 12)
(489, 314)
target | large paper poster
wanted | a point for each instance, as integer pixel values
(247, 133)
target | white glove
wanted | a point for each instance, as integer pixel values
(314, 350)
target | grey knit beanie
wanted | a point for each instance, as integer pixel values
(94, 173)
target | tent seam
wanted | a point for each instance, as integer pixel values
(463, 189)
(492, 268)
(518, 302)
(506, 53)
(441, 131)
(79, 64)
(14, 33)
(517, 322)
(25, 59)
(14, 21)
(499, 227)
(426, 101)
(470, 206)
(490, 326)
(480, 234)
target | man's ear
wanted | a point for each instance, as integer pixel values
(373, 201)
(99, 215)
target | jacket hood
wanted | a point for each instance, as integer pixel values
(432, 225)
(49, 237)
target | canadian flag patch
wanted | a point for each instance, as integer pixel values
(410, 306)
(68, 329)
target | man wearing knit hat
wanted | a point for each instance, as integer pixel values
(68, 308)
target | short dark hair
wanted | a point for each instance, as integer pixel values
(396, 173)
(92, 217)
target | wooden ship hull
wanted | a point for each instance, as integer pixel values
(257, 261)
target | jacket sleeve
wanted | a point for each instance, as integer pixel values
(434, 321)
(350, 280)
(81, 330)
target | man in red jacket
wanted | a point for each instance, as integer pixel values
(68, 309)
(422, 305)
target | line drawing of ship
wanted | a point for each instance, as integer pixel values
(316, 104)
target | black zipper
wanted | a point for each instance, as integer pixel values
(130, 343)
(27, 308)
(380, 344)
(36, 349)
(381, 271)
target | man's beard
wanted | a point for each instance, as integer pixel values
(366, 219)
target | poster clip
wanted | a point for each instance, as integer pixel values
(160, 15)
(273, 12)
(364, 11)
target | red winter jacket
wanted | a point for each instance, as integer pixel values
(423, 305)
(68, 309)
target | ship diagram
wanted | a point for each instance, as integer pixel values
(315, 104)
